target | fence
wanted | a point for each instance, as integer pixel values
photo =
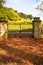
(20, 30)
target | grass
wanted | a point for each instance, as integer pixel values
(18, 27)
(25, 25)
(41, 23)
(15, 25)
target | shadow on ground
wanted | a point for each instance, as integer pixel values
(21, 51)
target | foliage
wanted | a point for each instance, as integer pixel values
(12, 15)
(30, 16)
(26, 16)
(23, 15)
(9, 14)
(2, 2)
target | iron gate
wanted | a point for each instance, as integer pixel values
(20, 30)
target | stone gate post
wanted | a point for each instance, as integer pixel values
(36, 27)
(3, 29)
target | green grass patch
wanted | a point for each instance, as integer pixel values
(17, 27)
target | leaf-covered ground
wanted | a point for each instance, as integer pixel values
(21, 51)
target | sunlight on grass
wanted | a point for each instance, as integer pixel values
(20, 21)
(41, 23)
(17, 27)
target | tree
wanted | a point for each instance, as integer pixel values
(23, 15)
(30, 16)
(40, 6)
(2, 2)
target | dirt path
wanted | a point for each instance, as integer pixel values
(21, 51)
